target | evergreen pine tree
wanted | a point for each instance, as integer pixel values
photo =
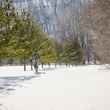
(72, 52)
(7, 17)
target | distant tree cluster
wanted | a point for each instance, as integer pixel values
(97, 25)
(20, 36)
(72, 52)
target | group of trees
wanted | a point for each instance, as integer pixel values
(90, 23)
(73, 53)
(96, 23)
(86, 20)
(51, 12)
(21, 35)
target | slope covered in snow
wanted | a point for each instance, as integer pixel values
(74, 88)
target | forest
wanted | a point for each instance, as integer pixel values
(54, 54)
(71, 32)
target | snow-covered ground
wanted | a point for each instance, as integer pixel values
(61, 88)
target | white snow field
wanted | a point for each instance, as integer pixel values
(72, 88)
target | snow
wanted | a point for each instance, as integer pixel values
(61, 88)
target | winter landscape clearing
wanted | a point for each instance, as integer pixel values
(61, 88)
(62, 48)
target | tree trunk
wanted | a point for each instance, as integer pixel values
(31, 66)
(88, 60)
(49, 65)
(42, 65)
(24, 64)
(66, 64)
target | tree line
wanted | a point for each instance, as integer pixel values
(96, 23)
(21, 35)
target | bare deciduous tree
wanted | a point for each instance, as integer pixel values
(96, 22)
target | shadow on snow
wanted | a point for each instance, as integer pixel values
(8, 84)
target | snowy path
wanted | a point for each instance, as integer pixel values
(75, 88)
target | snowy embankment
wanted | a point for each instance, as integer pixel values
(74, 88)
